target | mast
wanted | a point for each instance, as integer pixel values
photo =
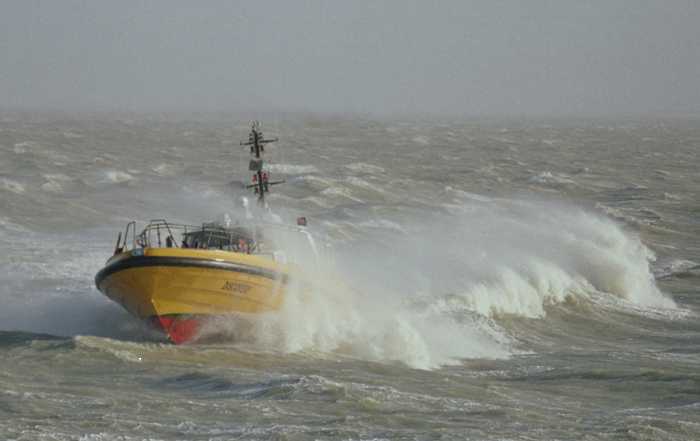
(256, 141)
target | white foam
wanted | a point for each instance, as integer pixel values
(524, 291)
(52, 187)
(123, 350)
(549, 178)
(292, 169)
(421, 140)
(643, 216)
(317, 201)
(7, 224)
(362, 167)
(22, 147)
(117, 176)
(382, 224)
(328, 311)
(436, 294)
(375, 326)
(317, 181)
(675, 267)
(361, 183)
(465, 195)
(54, 182)
(11, 186)
(340, 191)
(579, 252)
(163, 169)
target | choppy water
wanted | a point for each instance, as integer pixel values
(494, 279)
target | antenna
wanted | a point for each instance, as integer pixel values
(261, 183)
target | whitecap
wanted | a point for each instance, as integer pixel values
(382, 224)
(22, 147)
(317, 201)
(11, 186)
(52, 187)
(117, 176)
(338, 191)
(164, 169)
(362, 167)
(54, 182)
(292, 169)
(549, 178)
(643, 216)
(675, 267)
(422, 140)
(361, 183)
(465, 195)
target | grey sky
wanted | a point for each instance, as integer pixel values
(442, 57)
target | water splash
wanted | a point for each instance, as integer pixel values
(436, 291)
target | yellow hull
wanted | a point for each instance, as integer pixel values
(152, 283)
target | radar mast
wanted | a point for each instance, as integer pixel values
(261, 178)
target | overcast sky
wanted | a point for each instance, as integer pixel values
(386, 57)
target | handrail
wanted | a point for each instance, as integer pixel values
(131, 225)
(212, 230)
(225, 238)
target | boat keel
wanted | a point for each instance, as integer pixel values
(179, 328)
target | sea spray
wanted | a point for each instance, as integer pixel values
(429, 293)
(434, 291)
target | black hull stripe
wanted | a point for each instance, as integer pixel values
(143, 261)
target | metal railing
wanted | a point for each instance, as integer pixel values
(160, 233)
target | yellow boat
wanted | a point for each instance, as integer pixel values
(175, 287)
(177, 276)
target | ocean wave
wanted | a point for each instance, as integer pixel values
(550, 252)
(439, 291)
(321, 202)
(465, 195)
(361, 183)
(631, 216)
(11, 186)
(22, 147)
(362, 167)
(56, 182)
(318, 182)
(676, 268)
(340, 192)
(164, 169)
(117, 177)
(549, 178)
(292, 169)
(421, 140)
(123, 350)
(381, 224)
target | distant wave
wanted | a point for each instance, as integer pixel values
(362, 167)
(117, 176)
(292, 169)
(11, 186)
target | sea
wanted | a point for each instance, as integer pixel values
(471, 278)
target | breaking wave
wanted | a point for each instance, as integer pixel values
(437, 290)
(292, 169)
(424, 292)
(117, 176)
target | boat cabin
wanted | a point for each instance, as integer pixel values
(210, 236)
(218, 237)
